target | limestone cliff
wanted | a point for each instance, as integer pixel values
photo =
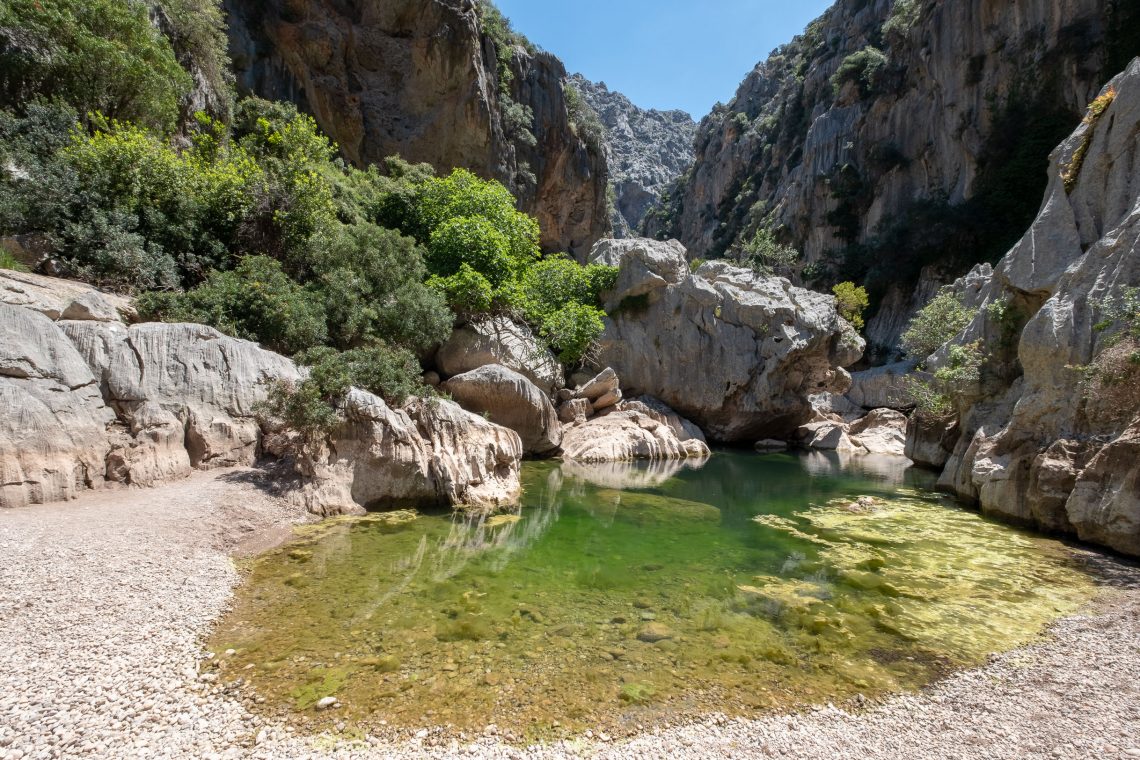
(899, 138)
(424, 79)
(646, 151)
(1050, 433)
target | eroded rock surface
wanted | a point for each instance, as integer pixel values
(1038, 440)
(430, 453)
(510, 400)
(627, 432)
(735, 352)
(498, 340)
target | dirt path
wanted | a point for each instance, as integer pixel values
(103, 602)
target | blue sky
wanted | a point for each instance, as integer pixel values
(663, 53)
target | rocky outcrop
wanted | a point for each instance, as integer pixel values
(931, 109)
(883, 431)
(735, 352)
(627, 432)
(646, 150)
(88, 400)
(431, 453)
(1044, 437)
(882, 387)
(62, 299)
(510, 400)
(498, 340)
(423, 80)
(53, 422)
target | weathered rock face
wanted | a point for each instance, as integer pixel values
(53, 422)
(628, 432)
(419, 78)
(431, 453)
(62, 299)
(500, 341)
(943, 114)
(510, 400)
(1039, 441)
(646, 150)
(735, 352)
(88, 399)
(882, 387)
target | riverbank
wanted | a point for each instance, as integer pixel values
(104, 602)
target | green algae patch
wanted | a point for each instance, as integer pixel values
(757, 582)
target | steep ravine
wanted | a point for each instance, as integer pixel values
(869, 173)
(646, 150)
(422, 80)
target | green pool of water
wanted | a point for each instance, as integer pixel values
(632, 595)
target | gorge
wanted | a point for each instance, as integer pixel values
(371, 386)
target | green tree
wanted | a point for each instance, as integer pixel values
(934, 324)
(851, 300)
(96, 55)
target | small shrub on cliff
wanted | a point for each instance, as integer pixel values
(767, 256)
(584, 119)
(1121, 312)
(851, 300)
(955, 380)
(937, 322)
(865, 67)
(904, 15)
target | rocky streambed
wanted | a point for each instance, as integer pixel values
(106, 602)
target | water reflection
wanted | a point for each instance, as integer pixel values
(638, 475)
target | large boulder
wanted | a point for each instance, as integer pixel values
(53, 421)
(62, 299)
(882, 387)
(431, 453)
(1104, 504)
(510, 400)
(500, 341)
(735, 352)
(883, 431)
(627, 432)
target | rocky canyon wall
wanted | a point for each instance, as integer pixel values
(646, 151)
(424, 79)
(1049, 435)
(862, 141)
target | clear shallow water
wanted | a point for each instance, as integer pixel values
(631, 595)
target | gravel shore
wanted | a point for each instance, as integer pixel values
(104, 602)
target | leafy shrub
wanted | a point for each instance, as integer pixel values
(462, 194)
(197, 33)
(95, 55)
(937, 322)
(1121, 312)
(865, 67)
(473, 241)
(767, 256)
(467, 292)
(904, 15)
(951, 383)
(572, 330)
(850, 301)
(256, 301)
(314, 406)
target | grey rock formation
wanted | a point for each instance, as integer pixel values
(646, 151)
(53, 422)
(421, 79)
(735, 352)
(949, 113)
(431, 453)
(62, 299)
(510, 400)
(628, 432)
(88, 400)
(500, 341)
(882, 387)
(1039, 441)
